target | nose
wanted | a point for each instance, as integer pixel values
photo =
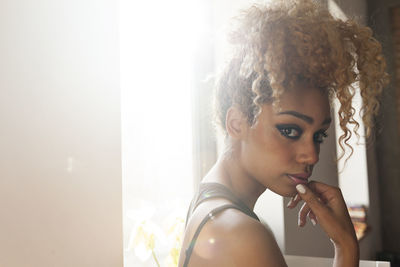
(308, 152)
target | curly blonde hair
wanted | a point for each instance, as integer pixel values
(291, 42)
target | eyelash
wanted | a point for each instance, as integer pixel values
(284, 130)
(322, 134)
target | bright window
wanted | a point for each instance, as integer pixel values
(156, 42)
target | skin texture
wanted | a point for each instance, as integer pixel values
(260, 157)
(327, 204)
(267, 153)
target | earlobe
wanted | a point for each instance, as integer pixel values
(235, 123)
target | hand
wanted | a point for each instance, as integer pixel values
(325, 205)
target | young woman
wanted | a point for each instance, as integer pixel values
(273, 103)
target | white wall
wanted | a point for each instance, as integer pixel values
(60, 173)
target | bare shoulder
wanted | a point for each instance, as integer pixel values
(253, 244)
(232, 238)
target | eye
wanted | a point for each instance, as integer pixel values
(292, 132)
(319, 137)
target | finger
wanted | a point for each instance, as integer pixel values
(318, 186)
(326, 217)
(326, 192)
(313, 218)
(294, 201)
(311, 199)
(290, 203)
(304, 210)
(330, 195)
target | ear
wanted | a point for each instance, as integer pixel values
(236, 123)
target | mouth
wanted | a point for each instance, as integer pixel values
(300, 178)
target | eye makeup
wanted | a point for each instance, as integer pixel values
(291, 131)
(294, 132)
(320, 136)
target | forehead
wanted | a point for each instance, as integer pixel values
(306, 100)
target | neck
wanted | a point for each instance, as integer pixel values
(229, 171)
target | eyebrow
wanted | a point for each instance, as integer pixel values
(305, 118)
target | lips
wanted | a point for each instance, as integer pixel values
(299, 178)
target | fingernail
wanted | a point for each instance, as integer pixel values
(296, 197)
(313, 222)
(290, 202)
(301, 188)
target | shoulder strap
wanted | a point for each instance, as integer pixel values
(212, 213)
(216, 190)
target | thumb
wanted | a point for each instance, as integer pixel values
(310, 198)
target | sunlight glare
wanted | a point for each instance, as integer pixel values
(157, 40)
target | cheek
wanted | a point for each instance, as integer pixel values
(281, 154)
(267, 152)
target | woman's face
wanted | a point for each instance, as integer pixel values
(281, 149)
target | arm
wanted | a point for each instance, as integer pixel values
(325, 204)
(346, 255)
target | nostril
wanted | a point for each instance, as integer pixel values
(308, 153)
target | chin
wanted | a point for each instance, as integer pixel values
(290, 194)
(285, 192)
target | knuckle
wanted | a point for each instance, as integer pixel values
(311, 183)
(338, 191)
(312, 200)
